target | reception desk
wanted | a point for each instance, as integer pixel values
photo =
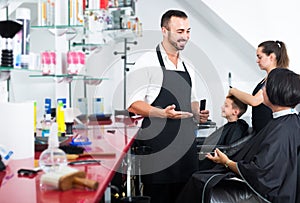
(113, 137)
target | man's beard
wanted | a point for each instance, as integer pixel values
(179, 44)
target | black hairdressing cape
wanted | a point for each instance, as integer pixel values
(228, 134)
(268, 164)
(224, 136)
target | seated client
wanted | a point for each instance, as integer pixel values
(269, 162)
(232, 131)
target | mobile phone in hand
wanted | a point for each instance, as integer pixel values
(202, 104)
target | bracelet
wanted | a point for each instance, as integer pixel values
(227, 162)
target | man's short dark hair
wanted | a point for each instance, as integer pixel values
(167, 16)
(236, 103)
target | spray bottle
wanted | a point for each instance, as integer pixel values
(53, 158)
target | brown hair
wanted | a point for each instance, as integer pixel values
(236, 103)
(279, 49)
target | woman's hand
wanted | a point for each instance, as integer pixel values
(218, 157)
(231, 91)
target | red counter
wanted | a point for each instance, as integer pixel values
(116, 137)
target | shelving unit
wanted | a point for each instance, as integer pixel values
(64, 33)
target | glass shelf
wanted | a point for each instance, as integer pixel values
(55, 26)
(70, 31)
(87, 46)
(19, 1)
(120, 34)
(3, 68)
(92, 80)
(70, 77)
(5, 72)
(108, 35)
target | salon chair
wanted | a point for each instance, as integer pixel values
(236, 191)
(229, 150)
(208, 124)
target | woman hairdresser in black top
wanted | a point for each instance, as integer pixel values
(270, 55)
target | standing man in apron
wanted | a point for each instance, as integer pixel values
(161, 89)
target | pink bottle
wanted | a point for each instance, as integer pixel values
(81, 63)
(45, 62)
(52, 62)
(73, 61)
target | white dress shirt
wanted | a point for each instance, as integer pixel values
(145, 78)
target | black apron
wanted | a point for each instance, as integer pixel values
(174, 153)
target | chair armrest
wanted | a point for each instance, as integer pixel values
(233, 190)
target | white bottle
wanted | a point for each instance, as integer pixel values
(53, 158)
(125, 20)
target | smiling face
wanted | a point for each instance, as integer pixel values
(228, 111)
(177, 33)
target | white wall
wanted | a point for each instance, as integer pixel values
(257, 21)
